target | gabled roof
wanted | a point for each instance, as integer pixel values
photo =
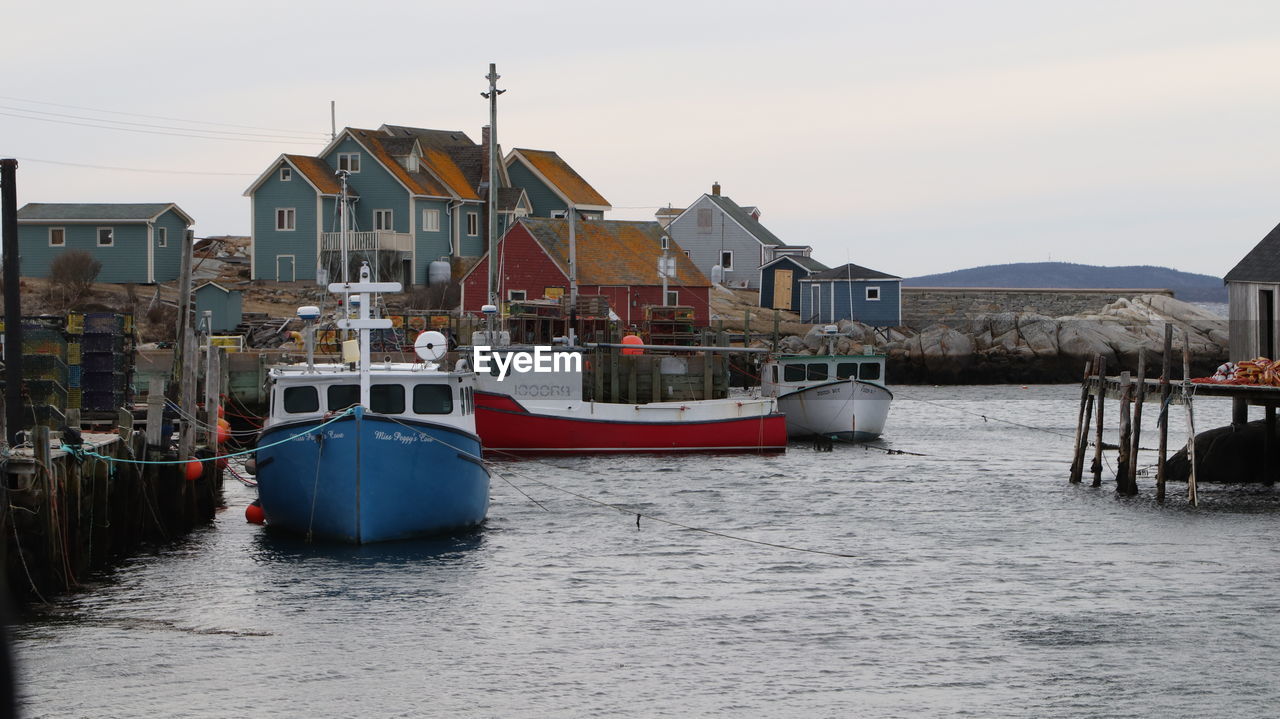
(807, 263)
(465, 157)
(1262, 264)
(745, 220)
(418, 183)
(215, 285)
(612, 252)
(560, 177)
(510, 198)
(851, 271)
(669, 211)
(97, 211)
(318, 173)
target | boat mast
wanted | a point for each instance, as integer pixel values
(492, 97)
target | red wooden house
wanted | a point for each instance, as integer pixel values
(615, 258)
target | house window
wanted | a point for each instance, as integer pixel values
(286, 219)
(162, 237)
(431, 220)
(704, 221)
(873, 294)
(726, 260)
(473, 224)
(516, 295)
(349, 161)
(688, 254)
(57, 236)
(666, 242)
(559, 214)
(382, 220)
(286, 174)
(673, 298)
(106, 237)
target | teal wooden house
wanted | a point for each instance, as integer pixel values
(851, 292)
(414, 196)
(137, 242)
(225, 306)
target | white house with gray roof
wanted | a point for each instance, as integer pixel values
(135, 242)
(715, 230)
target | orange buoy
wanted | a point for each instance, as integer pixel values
(224, 423)
(253, 514)
(632, 340)
(224, 434)
(194, 470)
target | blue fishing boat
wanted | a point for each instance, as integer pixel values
(360, 453)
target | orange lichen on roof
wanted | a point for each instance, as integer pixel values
(568, 181)
(317, 173)
(613, 252)
(418, 183)
(447, 170)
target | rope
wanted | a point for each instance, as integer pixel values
(639, 515)
(89, 453)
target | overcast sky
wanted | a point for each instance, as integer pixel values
(910, 137)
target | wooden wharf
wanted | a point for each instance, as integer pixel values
(1132, 393)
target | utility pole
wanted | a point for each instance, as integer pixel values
(573, 274)
(492, 97)
(333, 120)
(12, 301)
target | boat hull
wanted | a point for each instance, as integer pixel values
(367, 478)
(509, 427)
(844, 409)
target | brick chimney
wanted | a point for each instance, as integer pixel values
(715, 188)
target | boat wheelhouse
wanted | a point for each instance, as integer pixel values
(834, 395)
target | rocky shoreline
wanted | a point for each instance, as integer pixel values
(1025, 347)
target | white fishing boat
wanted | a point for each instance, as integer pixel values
(842, 396)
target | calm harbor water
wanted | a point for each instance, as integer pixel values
(981, 584)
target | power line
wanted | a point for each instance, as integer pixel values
(136, 169)
(157, 132)
(160, 117)
(148, 125)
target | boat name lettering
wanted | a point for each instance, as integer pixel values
(395, 437)
(542, 359)
(542, 390)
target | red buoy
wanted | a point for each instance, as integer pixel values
(194, 470)
(632, 340)
(224, 434)
(221, 410)
(253, 514)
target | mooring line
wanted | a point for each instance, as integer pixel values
(654, 518)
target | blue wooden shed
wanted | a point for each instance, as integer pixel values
(851, 292)
(225, 305)
(780, 280)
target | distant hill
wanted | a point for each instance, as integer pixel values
(1186, 286)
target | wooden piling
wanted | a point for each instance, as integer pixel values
(1269, 446)
(1192, 496)
(1101, 395)
(155, 413)
(1165, 390)
(1136, 448)
(1077, 457)
(1126, 434)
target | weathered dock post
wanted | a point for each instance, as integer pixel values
(1131, 486)
(1269, 446)
(1192, 496)
(1101, 395)
(1126, 435)
(1166, 366)
(1082, 425)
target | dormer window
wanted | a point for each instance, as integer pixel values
(411, 163)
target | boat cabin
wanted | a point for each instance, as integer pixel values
(787, 374)
(398, 390)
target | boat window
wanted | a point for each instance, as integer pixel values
(342, 396)
(793, 373)
(387, 398)
(432, 399)
(847, 370)
(870, 370)
(818, 370)
(301, 399)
